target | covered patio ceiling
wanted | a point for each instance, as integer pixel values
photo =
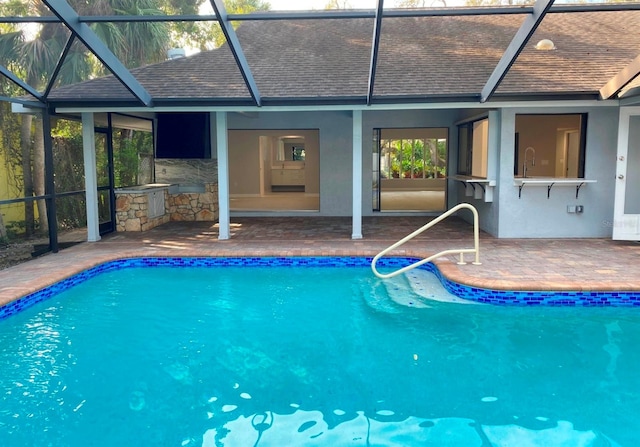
(79, 29)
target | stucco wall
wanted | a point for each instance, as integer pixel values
(535, 215)
(532, 215)
(400, 119)
(488, 211)
(334, 156)
(335, 129)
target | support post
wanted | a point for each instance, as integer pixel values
(493, 155)
(90, 176)
(357, 175)
(49, 184)
(224, 221)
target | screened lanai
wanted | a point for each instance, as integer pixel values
(92, 79)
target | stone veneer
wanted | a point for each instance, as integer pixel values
(132, 212)
(195, 206)
(132, 208)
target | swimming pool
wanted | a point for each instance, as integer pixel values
(227, 353)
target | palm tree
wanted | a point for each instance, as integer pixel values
(36, 58)
(18, 53)
(134, 44)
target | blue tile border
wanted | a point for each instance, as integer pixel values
(563, 298)
(497, 297)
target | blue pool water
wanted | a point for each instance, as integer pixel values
(326, 356)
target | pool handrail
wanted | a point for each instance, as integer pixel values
(476, 242)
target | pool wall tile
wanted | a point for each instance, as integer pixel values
(489, 296)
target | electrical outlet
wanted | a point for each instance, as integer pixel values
(579, 208)
(571, 208)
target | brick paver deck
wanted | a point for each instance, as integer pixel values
(513, 264)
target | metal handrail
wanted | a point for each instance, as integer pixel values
(476, 241)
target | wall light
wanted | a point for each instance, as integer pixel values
(545, 45)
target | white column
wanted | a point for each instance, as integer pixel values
(493, 152)
(90, 176)
(357, 175)
(222, 144)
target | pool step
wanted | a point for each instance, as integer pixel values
(400, 291)
(419, 288)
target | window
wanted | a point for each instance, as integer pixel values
(297, 153)
(550, 145)
(274, 170)
(473, 148)
(413, 158)
(409, 167)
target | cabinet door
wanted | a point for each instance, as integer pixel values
(287, 177)
(296, 177)
(277, 177)
(155, 204)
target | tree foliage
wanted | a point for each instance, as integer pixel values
(33, 52)
(419, 3)
(414, 158)
(338, 4)
(214, 32)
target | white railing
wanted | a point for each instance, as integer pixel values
(461, 251)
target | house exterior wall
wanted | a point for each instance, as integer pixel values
(507, 216)
(401, 119)
(489, 212)
(334, 156)
(535, 215)
(335, 129)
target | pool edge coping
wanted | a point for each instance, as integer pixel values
(440, 267)
(448, 269)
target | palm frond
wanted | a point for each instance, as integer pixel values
(9, 42)
(39, 57)
(76, 67)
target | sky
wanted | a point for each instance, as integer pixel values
(316, 4)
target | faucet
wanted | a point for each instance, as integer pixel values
(533, 160)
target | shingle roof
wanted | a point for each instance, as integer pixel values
(419, 58)
(591, 48)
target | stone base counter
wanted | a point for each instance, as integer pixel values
(194, 206)
(141, 208)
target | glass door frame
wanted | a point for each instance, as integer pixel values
(626, 226)
(110, 225)
(377, 175)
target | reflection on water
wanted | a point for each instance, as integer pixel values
(309, 428)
